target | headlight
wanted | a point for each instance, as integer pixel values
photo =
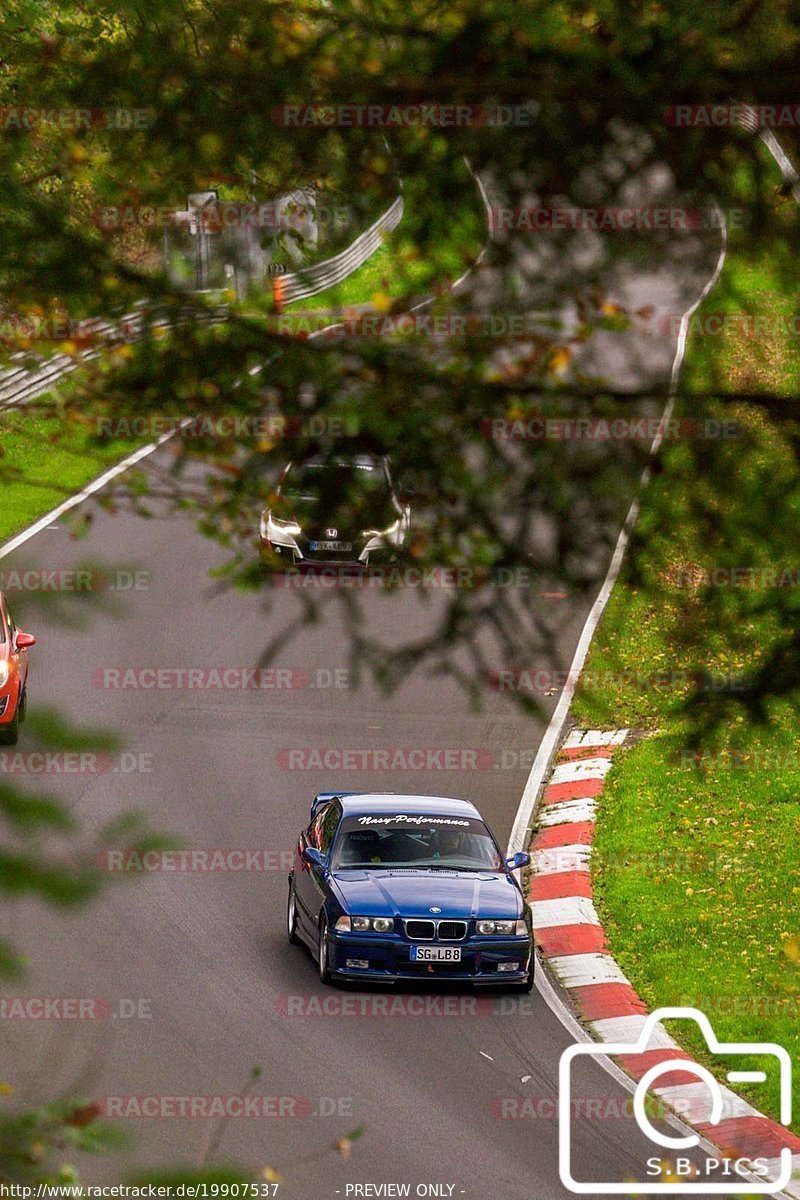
(377, 924)
(267, 519)
(342, 925)
(3, 671)
(391, 534)
(503, 928)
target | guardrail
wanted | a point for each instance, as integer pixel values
(301, 285)
(26, 382)
(747, 118)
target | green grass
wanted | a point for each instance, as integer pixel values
(393, 270)
(399, 268)
(696, 882)
(696, 864)
(43, 460)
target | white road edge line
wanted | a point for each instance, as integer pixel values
(552, 998)
(547, 746)
(96, 485)
(549, 742)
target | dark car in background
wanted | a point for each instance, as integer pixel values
(335, 508)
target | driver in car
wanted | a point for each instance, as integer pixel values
(449, 843)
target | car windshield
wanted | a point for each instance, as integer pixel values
(319, 479)
(418, 841)
(349, 493)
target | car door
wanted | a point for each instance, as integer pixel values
(19, 658)
(311, 878)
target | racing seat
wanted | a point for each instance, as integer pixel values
(362, 846)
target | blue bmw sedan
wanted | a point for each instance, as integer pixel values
(387, 887)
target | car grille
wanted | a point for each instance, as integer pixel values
(452, 931)
(422, 931)
(443, 931)
(3, 706)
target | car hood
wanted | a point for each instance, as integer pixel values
(315, 515)
(409, 893)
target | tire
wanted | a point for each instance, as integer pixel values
(322, 953)
(23, 704)
(291, 917)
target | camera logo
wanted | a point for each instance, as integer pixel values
(651, 1037)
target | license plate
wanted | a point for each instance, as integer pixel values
(331, 545)
(436, 954)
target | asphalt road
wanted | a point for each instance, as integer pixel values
(439, 1092)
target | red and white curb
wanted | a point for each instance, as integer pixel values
(573, 945)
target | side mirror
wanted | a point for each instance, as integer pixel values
(520, 859)
(24, 640)
(314, 857)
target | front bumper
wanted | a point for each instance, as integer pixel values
(297, 557)
(389, 958)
